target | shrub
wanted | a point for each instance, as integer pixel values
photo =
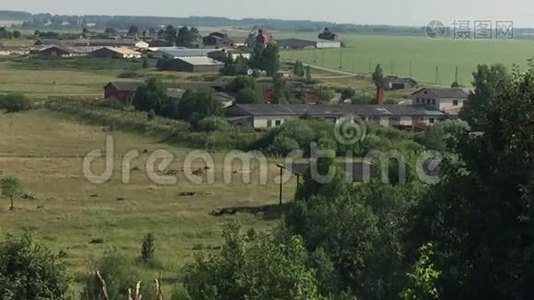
(148, 248)
(129, 74)
(14, 102)
(119, 274)
(212, 124)
(112, 103)
(29, 271)
(151, 115)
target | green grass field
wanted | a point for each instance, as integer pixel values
(44, 150)
(396, 54)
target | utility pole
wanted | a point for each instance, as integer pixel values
(340, 59)
(437, 74)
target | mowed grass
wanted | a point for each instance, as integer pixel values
(45, 151)
(396, 54)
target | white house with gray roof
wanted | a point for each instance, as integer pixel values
(261, 116)
(447, 100)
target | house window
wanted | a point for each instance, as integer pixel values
(278, 122)
(417, 100)
(455, 103)
(431, 120)
(427, 101)
(433, 101)
(269, 123)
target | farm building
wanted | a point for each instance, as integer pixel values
(239, 41)
(11, 50)
(263, 38)
(121, 90)
(133, 43)
(193, 64)
(115, 52)
(221, 55)
(178, 52)
(261, 116)
(327, 34)
(396, 83)
(307, 44)
(217, 39)
(447, 100)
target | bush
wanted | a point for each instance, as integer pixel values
(148, 248)
(119, 275)
(251, 267)
(29, 271)
(14, 102)
(112, 103)
(212, 124)
(130, 74)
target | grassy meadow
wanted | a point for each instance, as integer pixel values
(84, 220)
(397, 53)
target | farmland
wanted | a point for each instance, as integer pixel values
(396, 54)
(45, 150)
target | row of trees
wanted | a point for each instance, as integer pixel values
(182, 36)
(6, 34)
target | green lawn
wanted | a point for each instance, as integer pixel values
(44, 150)
(396, 54)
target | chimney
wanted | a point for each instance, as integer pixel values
(380, 96)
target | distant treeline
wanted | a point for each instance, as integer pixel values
(38, 21)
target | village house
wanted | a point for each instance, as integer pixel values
(217, 39)
(396, 83)
(115, 52)
(263, 116)
(447, 100)
(121, 90)
(294, 43)
(55, 51)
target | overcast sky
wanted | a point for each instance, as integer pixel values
(394, 12)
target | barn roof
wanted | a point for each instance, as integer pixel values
(336, 111)
(126, 85)
(444, 92)
(201, 61)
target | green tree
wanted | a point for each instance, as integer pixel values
(347, 93)
(252, 266)
(30, 271)
(151, 95)
(199, 104)
(11, 187)
(281, 92)
(266, 58)
(480, 211)
(487, 80)
(298, 69)
(169, 34)
(308, 74)
(423, 279)
(378, 78)
(248, 96)
(455, 84)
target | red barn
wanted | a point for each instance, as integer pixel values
(121, 90)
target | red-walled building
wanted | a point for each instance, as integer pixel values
(121, 90)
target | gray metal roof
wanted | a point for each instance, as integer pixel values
(335, 111)
(175, 52)
(444, 92)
